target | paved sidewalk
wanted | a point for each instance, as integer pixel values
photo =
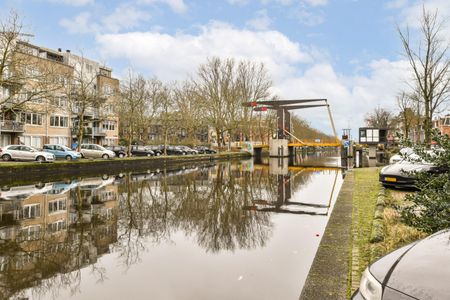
(328, 277)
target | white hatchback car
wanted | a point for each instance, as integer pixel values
(95, 151)
(22, 152)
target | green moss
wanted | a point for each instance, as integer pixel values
(365, 196)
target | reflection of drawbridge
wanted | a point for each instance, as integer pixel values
(283, 205)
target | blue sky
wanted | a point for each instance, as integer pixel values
(345, 50)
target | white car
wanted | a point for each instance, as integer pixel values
(95, 151)
(404, 152)
(22, 152)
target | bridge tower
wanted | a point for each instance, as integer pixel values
(282, 145)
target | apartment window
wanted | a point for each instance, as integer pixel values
(107, 89)
(59, 121)
(110, 142)
(59, 140)
(56, 206)
(31, 211)
(30, 233)
(109, 125)
(34, 141)
(31, 118)
(4, 93)
(57, 226)
(109, 109)
(60, 102)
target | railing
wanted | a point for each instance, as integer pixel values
(86, 131)
(11, 126)
(99, 131)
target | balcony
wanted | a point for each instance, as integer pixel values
(86, 131)
(11, 126)
(99, 131)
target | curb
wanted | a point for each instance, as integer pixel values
(329, 274)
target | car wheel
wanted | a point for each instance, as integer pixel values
(39, 185)
(158, 154)
(105, 156)
(6, 157)
(40, 159)
(148, 154)
(121, 155)
(68, 157)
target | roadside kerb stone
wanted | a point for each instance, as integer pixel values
(329, 274)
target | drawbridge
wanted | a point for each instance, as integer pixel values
(286, 142)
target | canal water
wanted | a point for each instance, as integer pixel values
(228, 230)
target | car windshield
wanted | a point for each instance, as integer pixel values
(35, 149)
(66, 148)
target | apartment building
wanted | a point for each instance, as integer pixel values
(442, 124)
(55, 117)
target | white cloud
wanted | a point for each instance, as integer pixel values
(174, 56)
(177, 6)
(80, 24)
(73, 2)
(238, 2)
(261, 21)
(316, 2)
(307, 17)
(351, 97)
(296, 70)
(411, 12)
(123, 17)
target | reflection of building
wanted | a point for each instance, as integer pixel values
(48, 233)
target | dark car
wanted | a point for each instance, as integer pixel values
(401, 174)
(173, 150)
(141, 151)
(156, 149)
(120, 151)
(205, 150)
(417, 271)
(188, 150)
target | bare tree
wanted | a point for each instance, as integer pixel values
(83, 96)
(430, 66)
(137, 105)
(191, 116)
(24, 76)
(407, 116)
(380, 118)
(168, 117)
(223, 86)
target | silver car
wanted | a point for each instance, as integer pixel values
(21, 152)
(95, 151)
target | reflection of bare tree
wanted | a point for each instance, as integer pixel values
(214, 212)
(206, 203)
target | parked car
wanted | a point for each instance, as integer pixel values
(205, 150)
(61, 151)
(188, 150)
(416, 271)
(21, 152)
(141, 151)
(96, 151)
(401, 174)
(156, 149)
(173, 150)
(403, 153)
(120, 151)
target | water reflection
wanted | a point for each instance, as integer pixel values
(49, 232)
